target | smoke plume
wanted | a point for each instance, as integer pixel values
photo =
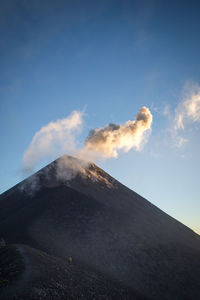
(106, 141)
(56, 138)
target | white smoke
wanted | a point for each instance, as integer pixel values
(68, 167)
(106, 141)
(59, 137)
(56, 138)
(31, 185)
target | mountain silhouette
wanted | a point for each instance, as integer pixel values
(119, 243)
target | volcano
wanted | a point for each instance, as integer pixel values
(74, 232)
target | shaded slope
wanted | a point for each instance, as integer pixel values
(42, 276)
(107, 227)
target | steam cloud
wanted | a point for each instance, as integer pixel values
(55, 138)
(60, 138)
(107, 141)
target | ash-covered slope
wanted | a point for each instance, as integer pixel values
(71, 208)
(35, 275)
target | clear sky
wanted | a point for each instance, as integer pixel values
(108, 58)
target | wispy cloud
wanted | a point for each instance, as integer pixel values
(186, 113)
(166, 111)
(188, 110)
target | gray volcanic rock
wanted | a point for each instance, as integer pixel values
(42, 276)
(73, 208)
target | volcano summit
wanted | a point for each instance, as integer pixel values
(74, 232)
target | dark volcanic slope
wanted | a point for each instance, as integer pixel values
(36, 275)
(105, 226)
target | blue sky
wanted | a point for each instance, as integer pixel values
(109, 58)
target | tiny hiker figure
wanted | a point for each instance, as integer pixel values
(69, 259)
